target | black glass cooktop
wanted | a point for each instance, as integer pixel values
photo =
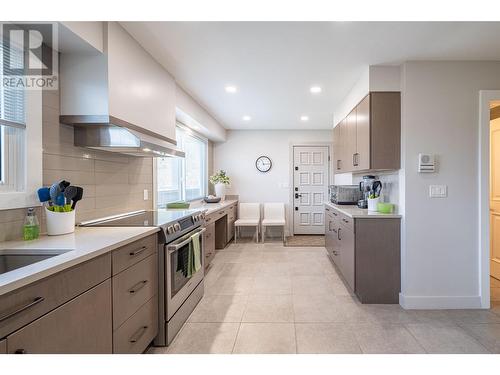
(144, 219)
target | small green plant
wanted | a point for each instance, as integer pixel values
(220, 178)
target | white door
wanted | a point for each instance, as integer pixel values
(495, 198)
(310, 189)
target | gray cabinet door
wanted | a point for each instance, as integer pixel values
(350, 139)
(362, 156)
(82, 325)
(337, 149)
(347, 260)
(329, 239)
(3, 346)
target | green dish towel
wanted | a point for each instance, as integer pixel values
(194, 256)
(178, 205)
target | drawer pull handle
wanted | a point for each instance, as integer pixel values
(138, 334)
(137, 252)
(138, 286)
(35, 301)
(334, 213)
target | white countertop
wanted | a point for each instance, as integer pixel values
(84, 244)
(361, 213)
(212, 207)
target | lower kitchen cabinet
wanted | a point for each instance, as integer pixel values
(209, 242)
(366, 252)
(138, 331)
(82, 325)
(108, 304)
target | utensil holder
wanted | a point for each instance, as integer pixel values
(372, 204)
(60, 222)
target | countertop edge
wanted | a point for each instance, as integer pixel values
(366, 215)
(52, 270)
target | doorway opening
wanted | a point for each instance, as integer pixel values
(494, 203)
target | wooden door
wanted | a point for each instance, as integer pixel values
(310, 181)
(362, 156)
(350, 141)
(347, 261)
(82, 325)
(495, 198)
(342, 146)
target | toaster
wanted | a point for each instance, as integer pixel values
(345, 194)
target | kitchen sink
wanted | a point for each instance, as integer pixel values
(11, 259)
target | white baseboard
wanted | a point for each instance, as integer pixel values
(439, 302)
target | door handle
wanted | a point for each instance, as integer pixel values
(338, 235)
(297, 195)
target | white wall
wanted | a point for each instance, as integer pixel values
(192, 114)
(440, 111)
(238, 154)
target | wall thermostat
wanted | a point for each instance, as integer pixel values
(426, 163)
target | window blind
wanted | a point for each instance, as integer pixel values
(12, 101)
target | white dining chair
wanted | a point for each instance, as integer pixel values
(274, 216)
(248, 216)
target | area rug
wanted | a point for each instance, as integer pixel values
(305, 241)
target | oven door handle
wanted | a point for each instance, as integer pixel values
(176, 246)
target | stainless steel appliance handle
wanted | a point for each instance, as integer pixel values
(176, 246)
(35, 301)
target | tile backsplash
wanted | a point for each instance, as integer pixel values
(112, 183)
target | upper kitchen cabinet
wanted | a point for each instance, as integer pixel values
(123, 86)
(369, 138)
(140, 89)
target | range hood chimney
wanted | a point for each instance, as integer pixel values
(108, 133)
(118, 98)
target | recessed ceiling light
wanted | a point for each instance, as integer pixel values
(304, 118)
(315, 89)
(246, 118)
(231, 89)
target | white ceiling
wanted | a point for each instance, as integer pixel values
(273, 64)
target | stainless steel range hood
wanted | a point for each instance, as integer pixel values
(108, 133)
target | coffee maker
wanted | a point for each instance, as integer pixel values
(370, 185)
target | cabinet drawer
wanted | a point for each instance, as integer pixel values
(134, 252)
(345, 220)
(138, 331)
(82, 325)
(211, 218)
(24, 305)
(134, 287)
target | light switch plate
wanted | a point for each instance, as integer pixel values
(146, 194)
(438, 191)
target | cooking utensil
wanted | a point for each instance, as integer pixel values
(63, 184)
(55, 190)
(44, 195)
(60, 201)
(78, 196)
(69, 193)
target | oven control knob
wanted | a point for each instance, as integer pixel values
(170, 229)
(177, 227)
(195, 218)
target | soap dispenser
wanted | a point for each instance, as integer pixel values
(31, 228)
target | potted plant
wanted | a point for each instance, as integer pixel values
(220, 180)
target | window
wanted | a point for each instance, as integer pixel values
(12, 129)
(183, 178)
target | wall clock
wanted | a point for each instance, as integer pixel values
(263, 164)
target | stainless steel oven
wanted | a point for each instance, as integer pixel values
(179, 283)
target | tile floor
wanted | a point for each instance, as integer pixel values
(266, 298)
